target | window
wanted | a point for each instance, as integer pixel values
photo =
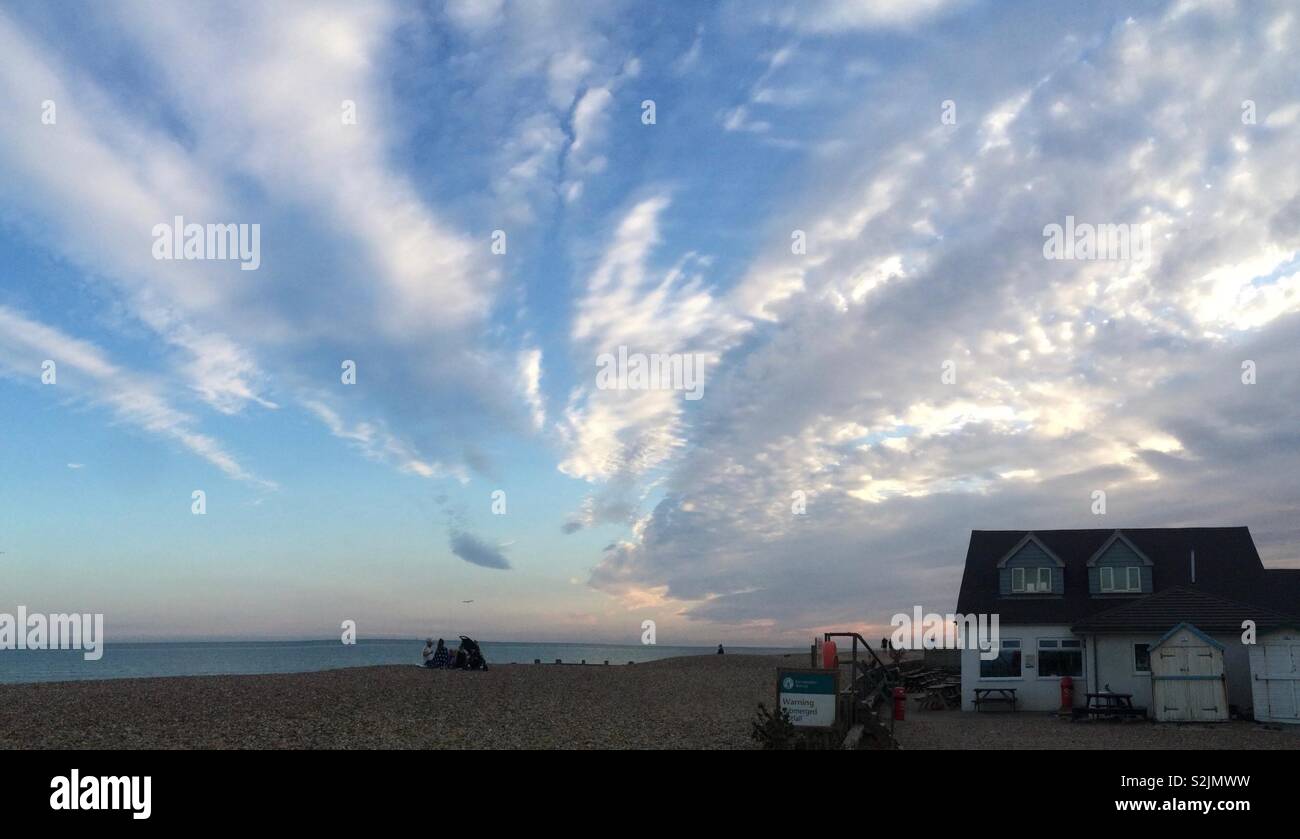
(1031, 580)
(1006, 665)
(1059, 657)
(1141, 658)
(1121, 578)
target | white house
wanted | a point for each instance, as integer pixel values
(1091, 604)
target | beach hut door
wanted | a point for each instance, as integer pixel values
(1187, 680)
(1275, 666)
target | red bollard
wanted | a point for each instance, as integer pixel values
(900, 703)
(1067, 693)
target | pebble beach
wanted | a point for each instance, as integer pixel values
(694, 702)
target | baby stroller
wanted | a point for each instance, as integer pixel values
(470, 657)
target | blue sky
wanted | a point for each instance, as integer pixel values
(476, 370)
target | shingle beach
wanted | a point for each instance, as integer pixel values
(694, 702)
(697, 702)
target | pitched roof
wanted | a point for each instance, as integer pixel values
(1282, 590)
(1207, 612)
(1227, 566)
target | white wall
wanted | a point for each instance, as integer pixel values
(1032, 693)
(1115, 666)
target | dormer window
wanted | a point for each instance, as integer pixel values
(1124, 578)
(1031, 580)
(1119, 567)
(1030, 567)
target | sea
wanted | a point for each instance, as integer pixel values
(225, 658)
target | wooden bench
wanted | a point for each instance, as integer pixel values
(986, 695)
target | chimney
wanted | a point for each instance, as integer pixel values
(1193, 565)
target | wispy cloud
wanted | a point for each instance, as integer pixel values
(83, 371)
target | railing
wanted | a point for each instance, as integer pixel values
(872, 678)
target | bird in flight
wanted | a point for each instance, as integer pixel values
(467, 601)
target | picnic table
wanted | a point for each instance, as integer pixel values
(941, 697)
(1111, 704)
(985, 695)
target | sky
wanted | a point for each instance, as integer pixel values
(837, 210)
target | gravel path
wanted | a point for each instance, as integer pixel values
(1033, 730)
(697, 702)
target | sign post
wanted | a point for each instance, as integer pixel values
(809, 696)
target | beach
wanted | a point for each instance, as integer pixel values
(691, 702)
(694, 702)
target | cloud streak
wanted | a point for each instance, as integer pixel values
(86, 372)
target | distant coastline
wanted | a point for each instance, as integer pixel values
(156, 659)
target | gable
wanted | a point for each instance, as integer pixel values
(1030, 551)
(1119, 553)
(1119, 550)
(1030, 555)
(1185, 635)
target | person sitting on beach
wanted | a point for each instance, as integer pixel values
(436, 657)
(462, 658)
(720, 650)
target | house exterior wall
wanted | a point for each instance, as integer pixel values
(1033, 693)
(1114, 666)
(1114, 663)
(1112, 658)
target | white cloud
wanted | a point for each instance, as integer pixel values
(1070, 376)
(409, 286)
(831, 16)
(84, 371)
(476, 16)
(374, 441)
(530, 385)
(627, 303)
